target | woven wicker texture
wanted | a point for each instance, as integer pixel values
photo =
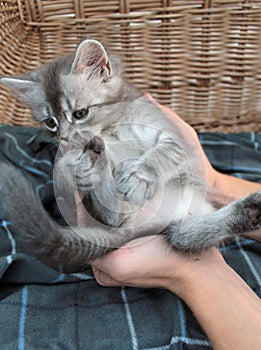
(201, 58)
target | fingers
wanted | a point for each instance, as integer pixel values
(104, 279)
(110, 271)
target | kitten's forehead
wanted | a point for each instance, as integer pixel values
(79, 92)
(67, 106)
(51, 82)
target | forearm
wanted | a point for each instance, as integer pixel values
(233, 187)
(227, 309)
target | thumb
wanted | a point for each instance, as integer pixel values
(104, 279)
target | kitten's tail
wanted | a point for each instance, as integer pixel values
(37, 235)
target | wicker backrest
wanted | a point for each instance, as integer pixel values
(200, 57)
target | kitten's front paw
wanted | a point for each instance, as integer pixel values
(85, 140)
(87, 176)
(91, 165)
(136, 181)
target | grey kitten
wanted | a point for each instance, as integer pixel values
(133, 169)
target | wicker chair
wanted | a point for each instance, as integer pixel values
(200, 57)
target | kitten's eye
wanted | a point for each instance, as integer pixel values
(81, 113)
(51, 124)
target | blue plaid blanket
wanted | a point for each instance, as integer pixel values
(42, 309)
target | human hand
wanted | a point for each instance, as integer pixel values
(150, 262)
(142, 262)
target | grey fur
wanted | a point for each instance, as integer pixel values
(37, 235)
(123, 154)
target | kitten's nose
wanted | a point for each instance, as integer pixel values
(64, 130)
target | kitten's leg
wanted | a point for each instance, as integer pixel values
(71, 249)
(89, 172)
(242, 217)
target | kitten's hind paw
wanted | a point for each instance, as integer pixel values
(247, 216)
(252, 205)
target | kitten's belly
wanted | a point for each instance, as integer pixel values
(172, 204)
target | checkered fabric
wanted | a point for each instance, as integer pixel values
(41, 309)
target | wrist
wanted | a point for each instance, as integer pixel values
(196, 271)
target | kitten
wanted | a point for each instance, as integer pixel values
(122, 153)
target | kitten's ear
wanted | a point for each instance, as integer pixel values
(22, 87)
(91, 58)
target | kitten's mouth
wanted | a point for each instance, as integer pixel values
(64, 144)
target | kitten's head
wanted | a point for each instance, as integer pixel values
(61, 93)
